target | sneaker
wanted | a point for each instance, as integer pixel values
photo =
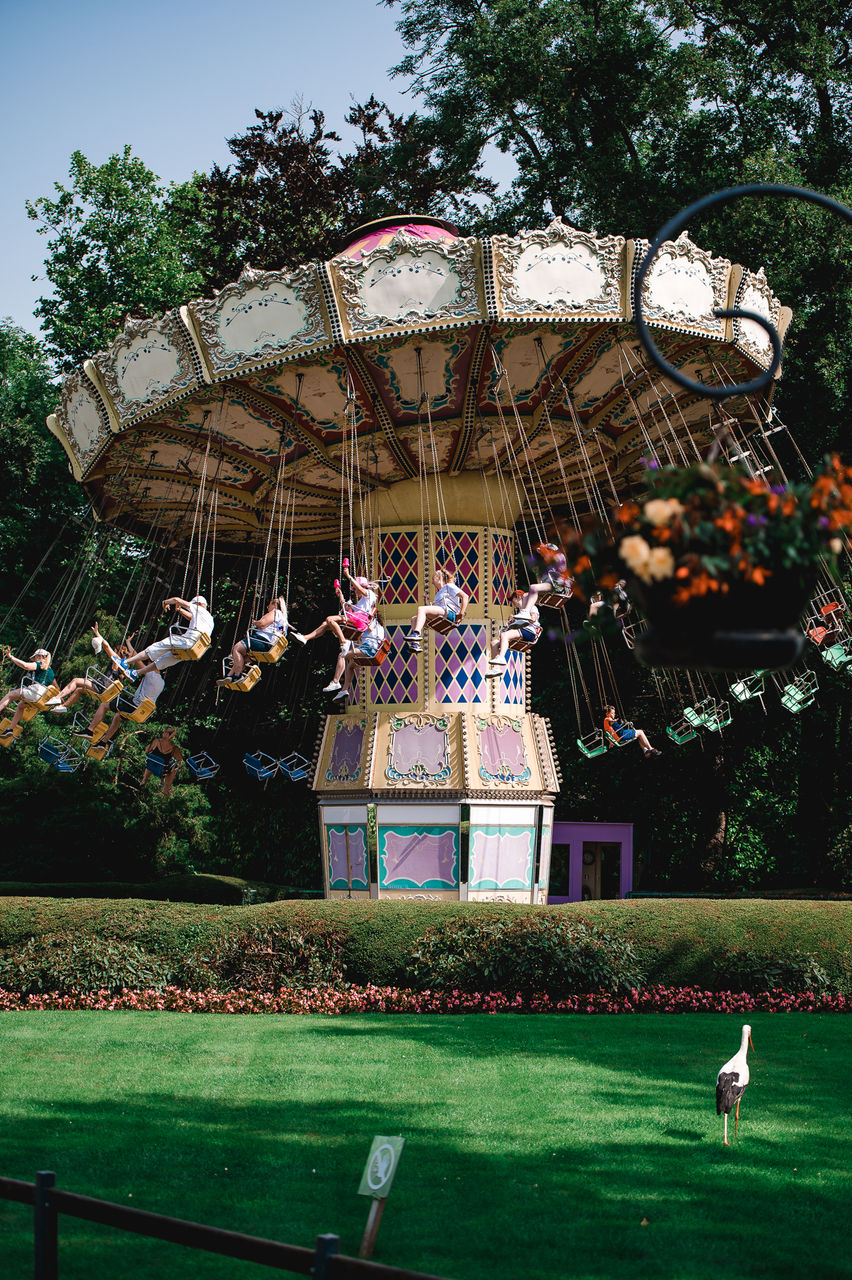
(332, 687)
(344, 693)
(413, 637)
(59, 710)
(495, 672)
(414, 646)
(297, 635)
(84, 733)
(127, 671)
(53, 703)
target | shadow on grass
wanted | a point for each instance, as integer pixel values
(531, 1159)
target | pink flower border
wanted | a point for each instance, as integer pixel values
(373, 999)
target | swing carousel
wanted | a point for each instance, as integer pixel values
(419, 400)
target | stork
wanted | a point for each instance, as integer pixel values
(731, 1082)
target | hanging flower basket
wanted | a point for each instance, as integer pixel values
(721, 564)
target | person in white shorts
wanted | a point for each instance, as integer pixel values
(161, 654)
(150, 686)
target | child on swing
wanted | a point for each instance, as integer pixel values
(619, 732)
(450, 602)
(523, 625)
(357, 612)
(262, 634)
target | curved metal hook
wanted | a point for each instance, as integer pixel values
(669, 232)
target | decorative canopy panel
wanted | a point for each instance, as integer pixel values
(414, 351)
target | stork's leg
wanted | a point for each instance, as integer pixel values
(737, 1117)
(727, 1144)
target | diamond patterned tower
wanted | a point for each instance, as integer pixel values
(440, 779)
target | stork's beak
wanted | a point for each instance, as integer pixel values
(751, 1042)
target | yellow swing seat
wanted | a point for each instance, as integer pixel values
(194, 651)
(246, 682)
(99, 750)
(31, 709)
(269, 655)
(139, 714)
(7, 739)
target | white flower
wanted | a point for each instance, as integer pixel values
(662, 510)
(661, 563)
(636, 554)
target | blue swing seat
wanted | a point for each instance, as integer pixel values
(59, 755)
(202, 767)
(295, 766)
(260, 765)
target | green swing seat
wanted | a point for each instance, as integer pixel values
(719, 719)
(752, 686)
(697, 715)
(800, 693)
(593, 744)
(681, 731)
(838, 655)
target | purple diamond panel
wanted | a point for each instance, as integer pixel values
(503, 569)
(399, 571)
(460, 665)
(511, 683)
(463, 550)
(397, 680)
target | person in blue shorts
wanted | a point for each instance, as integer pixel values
(618, 733)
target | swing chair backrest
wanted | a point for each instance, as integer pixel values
(374, 660)
(442, 625)
(838, 655)
(749, 687)
(698, 715)
(680, 732)
(593, 744)
(614, 740)
(202, 766)
(520, 646)
(51, 749)
(136, 714)
(270, 655)
(31, 709)
(295, 766)
(800, 693)
(189, 653)
(9, 738)
(554, 599)
(260, 765)
(112, 685)
(720, 718)
(100, 750)
(246, 682)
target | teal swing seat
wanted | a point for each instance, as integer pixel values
(838, 655)
(800, 693)
(697, 716)
(719, 719)
(593, 744)
(681, 731)
(752, 686)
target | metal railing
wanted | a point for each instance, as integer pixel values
(48, 1202)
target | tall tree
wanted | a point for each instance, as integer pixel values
(112, 249)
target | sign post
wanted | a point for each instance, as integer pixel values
(376, 1180)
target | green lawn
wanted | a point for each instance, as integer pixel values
(536, 1145)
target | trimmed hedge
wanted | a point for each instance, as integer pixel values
(225, 890)
(681, 943)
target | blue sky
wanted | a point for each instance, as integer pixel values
(172, 79)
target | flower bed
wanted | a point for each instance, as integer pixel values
(372, 999)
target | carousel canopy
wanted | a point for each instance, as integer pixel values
(414, 352)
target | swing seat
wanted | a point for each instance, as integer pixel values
(800, 693)
(80, 725)
(99, 751)
(70, 762)
(703, 711)
(51, 750)
(246, 682)
(749, 687)
(295, 766)
(838, 655)
(520, 646)
(260, 765)
(632, 630)
(376, 660)
(31, 709)
(351, 632)
(554, 599)
(442, 625)
(8, 738)
(202, 767)
(614, 741)
(720, 718)
(194, 651)
(270, 655)
(681, 732)
(113, 687)
(593, 744)
(137, 715)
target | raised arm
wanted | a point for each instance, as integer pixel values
(19, 662)
(182, 606)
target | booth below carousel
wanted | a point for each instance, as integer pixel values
(590, 861)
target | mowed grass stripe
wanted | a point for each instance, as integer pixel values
(536, 1145)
